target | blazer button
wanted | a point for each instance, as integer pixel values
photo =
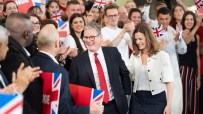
(148, 70)
(152, 90)
(150, 80)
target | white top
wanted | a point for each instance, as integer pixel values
(94, 69)
(2, 81)
(159, 71)
(69, 41)
(143, 83)
(172, 48)
(111, 34)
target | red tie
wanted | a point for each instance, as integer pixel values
(102, 80)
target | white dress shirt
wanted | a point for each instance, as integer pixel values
(94, 69)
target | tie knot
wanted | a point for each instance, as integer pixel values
(95, 54)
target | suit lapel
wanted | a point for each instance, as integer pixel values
(108, 63)
(89, 68)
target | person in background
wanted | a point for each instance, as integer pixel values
(201, 66)
(36, 23)
(130, 4)
(122, 16)
(36, 10)
(1, 9)
(177, 14)
(62, 5)
(75, 39)
(135, 16)
(82, 6)
(52, 10)
(172, 42)
(9, 8)
(24, 75)
(149, 82)
(119, 38)
(93, 11)
(190, 64)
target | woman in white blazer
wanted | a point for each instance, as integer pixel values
(152, 73)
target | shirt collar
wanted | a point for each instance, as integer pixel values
(99, 51)
(52, 57)
(28, 54)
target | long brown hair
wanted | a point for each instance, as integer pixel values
(151, 41)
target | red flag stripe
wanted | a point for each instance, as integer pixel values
(14, 107)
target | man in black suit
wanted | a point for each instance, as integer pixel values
(20, 28)
(48, 44)
(24, 75)
(102, 68)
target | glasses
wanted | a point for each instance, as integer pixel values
(92, 38)
(38, 13)
(35, 24)
(111, 16)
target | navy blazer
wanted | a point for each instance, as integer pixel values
(81, 73)
(66, 105)
(15, 56)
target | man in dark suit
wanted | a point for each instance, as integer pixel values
(20, 27)
(48, 44)
(102, 68)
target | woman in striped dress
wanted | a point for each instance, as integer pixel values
(190, 63)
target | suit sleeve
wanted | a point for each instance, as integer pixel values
(124, 74)
(73, 74)
(11, 64)
(67, 105)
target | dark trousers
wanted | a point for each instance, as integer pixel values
(111, 108)
(201, 96)
(143, 102)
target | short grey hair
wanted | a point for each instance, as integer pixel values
(93, 26)
(4, 33)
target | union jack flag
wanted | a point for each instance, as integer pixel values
(100, 3)
(11, 104)
(84, 96)
(51, 92)
(158, 31)
(199, 3)
(56, 15)
(62, 29)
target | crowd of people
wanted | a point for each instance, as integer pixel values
(110, 48)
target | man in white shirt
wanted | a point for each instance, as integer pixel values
(114, 36)
(171, 43)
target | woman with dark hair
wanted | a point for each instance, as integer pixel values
(9, 7)
(36, 10)
(177, 14)
(74, 40)
(52, 8)
(190, 63)
(135, 15)
(150, 83)
(36, 23)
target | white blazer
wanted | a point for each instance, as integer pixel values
(159, 71)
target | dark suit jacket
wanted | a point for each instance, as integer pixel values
(81, 73)
(3, 79)
(15, 56)
(65, 103)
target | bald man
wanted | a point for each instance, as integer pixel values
(48, 44)
(20, 28)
